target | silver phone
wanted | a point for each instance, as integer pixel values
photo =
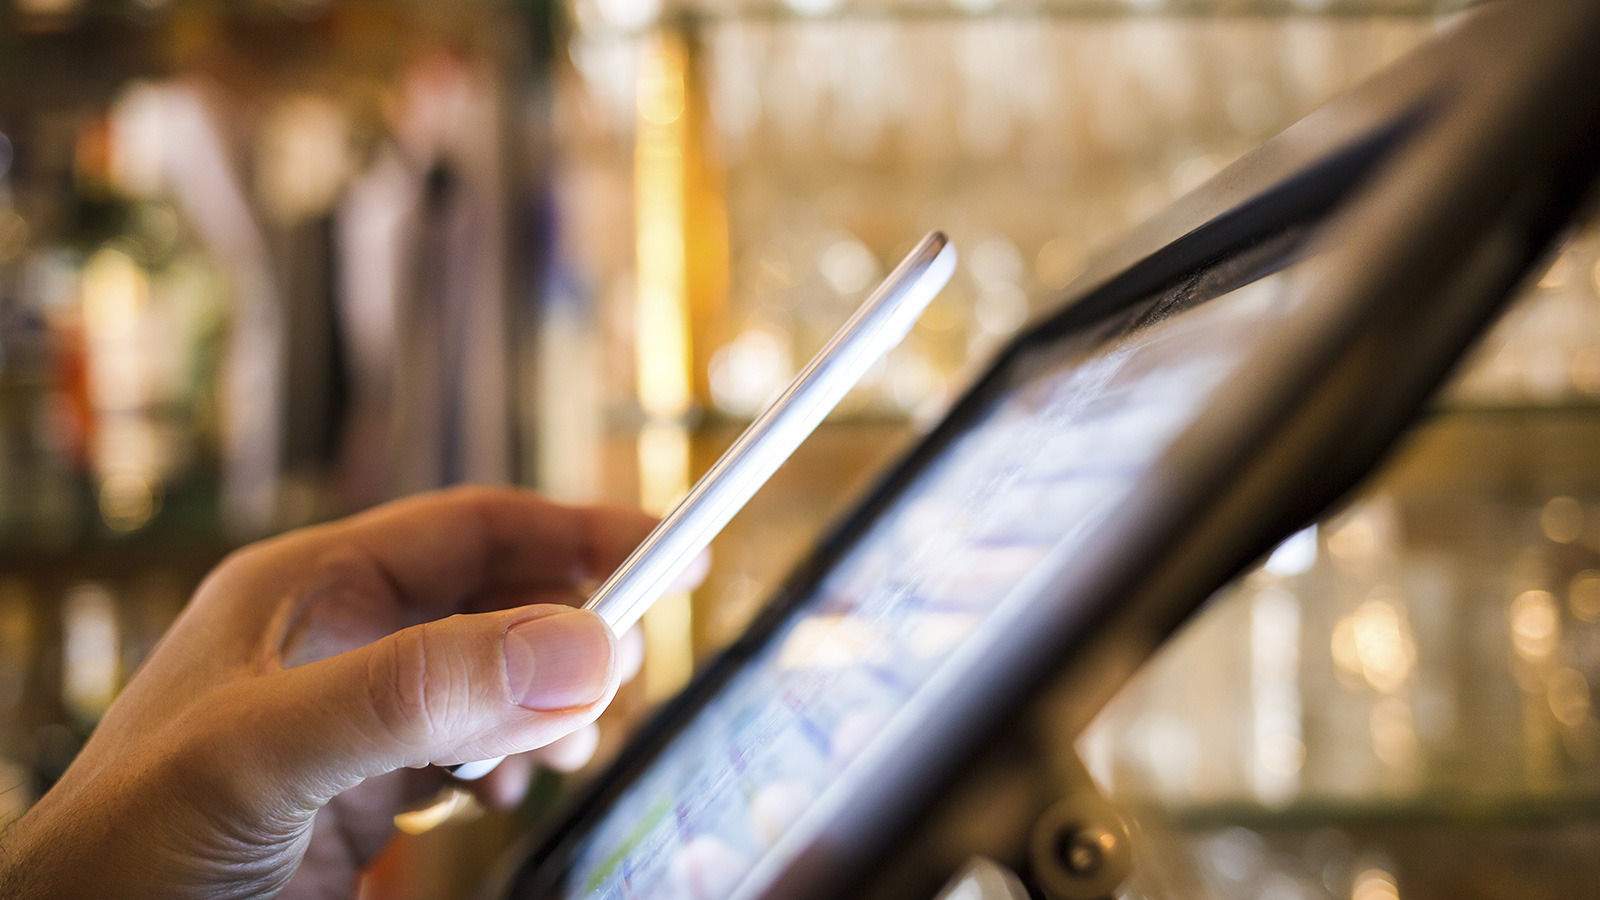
(882, 322)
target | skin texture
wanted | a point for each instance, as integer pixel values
(266, 744)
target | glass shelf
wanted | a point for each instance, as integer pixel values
(1453, 811)
(617, 19)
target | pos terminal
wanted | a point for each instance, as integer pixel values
(1215, 381)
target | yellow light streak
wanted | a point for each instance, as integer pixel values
(681, 271)
(661, 316)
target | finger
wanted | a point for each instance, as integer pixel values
(449, 691)
(438, 549)
(504, 788)
(571, 753)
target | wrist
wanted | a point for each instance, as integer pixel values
(25, 861)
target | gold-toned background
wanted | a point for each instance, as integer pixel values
(265, 263)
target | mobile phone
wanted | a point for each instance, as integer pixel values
(882, 322)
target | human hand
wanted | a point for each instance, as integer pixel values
(266, 744)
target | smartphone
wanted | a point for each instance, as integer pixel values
(883, 321)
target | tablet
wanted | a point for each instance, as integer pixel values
(1215, 381)
(925, 597)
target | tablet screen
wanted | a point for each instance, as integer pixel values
(1051, 457)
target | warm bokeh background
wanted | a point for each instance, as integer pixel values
(262, 263)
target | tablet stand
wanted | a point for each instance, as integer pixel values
(1080, 848)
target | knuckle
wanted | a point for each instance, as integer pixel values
(397, 687)
(416, 692)
(475, 496)
(342, 567)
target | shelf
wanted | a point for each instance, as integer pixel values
(1500, 451)
(186, 532)
(1450, 812)
(694, 13)
(1578, 408)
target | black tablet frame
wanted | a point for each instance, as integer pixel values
(1430, 192)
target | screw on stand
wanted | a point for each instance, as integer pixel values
(1080, 849)
(1083, 850)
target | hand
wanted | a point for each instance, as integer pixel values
(268, 741)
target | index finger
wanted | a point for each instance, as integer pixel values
(439, 549)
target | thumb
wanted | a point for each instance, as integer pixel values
(455, 690)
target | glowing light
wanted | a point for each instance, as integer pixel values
(662, 91)
(1375, 643)
(1585, 370)
(663, 465)
(681, 269)
(915, 384)
(1562, 520)
(813, 7)
(1559, 273)
(1296, 555)
(1275, 694)
(128, 500)
(661, 326)
(115, 291)
(848, 266)
(746, 374)
(776, 269)
(1583, 596)
(628, 15)
(115, 294)
(452, 804)
(1375, 884)
(1354, 543)
(1281, 755)
(996, 261)
(1394, 733)
(1001, 308)
(1057, 263)
(140, 131)
(1535, 624)
(303, 159)
(90, 650)
(1569, 697)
